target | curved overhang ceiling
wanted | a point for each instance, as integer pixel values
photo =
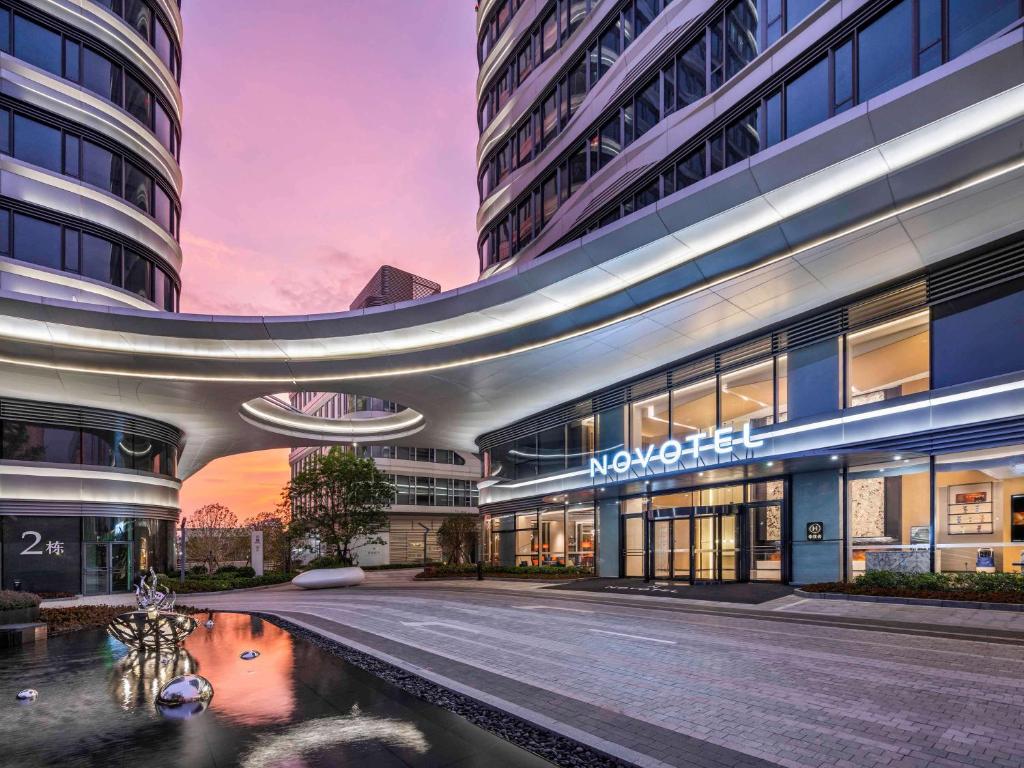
(916, 176)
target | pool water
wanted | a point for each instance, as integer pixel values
(295, 706)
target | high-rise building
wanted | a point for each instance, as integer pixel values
(752, 306)
(766, 163)
(90, 132)
(390, 285)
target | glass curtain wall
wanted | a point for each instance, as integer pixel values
(557, 536)
(979, 510)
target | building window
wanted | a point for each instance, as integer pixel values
(748, 395)
(979, 510)
(888, 360)
(884, 52)
(888, 511)
(650, 422)
(37, 143)
(694, 409)
(807, 99)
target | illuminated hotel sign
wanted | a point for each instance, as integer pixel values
(722, 441)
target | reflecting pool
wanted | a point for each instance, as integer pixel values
(294, 706)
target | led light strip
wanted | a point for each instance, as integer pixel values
(600, 281)
(324, 426)
(567, 336)
(16, 470)
(974, 394)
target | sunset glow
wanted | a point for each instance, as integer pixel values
(306, 110)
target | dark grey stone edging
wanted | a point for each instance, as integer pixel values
(551, 746)
(1012, 607)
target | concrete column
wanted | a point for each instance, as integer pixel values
(816, 497)
(608, 545)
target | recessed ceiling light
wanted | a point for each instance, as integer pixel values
(769, 463)
(897, 457)
(834, 457)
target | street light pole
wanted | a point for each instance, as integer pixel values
(181, 573)
(426, 532)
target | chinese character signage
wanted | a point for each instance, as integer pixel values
(43, 553)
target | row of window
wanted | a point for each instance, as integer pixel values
(36, 241)
(497, 22)
(72, 58)
(549, 537)
(910, 37)
(434, 491)
(25, 441)
(555, 26)
(67, 152)
(144, 20)
(730, 42)
(881, 362)
(406, 453)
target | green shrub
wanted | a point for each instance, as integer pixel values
(226, 569)
(967, 581)
(12, 601)
(327, 561)
(235, 570)
(198, 570)
(224, 582)
(469, 569)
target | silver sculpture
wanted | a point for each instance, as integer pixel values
(149, 596)
(186, 689)
(154, 626)
(29, 694)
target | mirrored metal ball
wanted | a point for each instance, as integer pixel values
(208, 623)
(249, 655)
(29, 694)
(182, 711)
(187, 689)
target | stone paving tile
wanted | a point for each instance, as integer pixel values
(774, 692)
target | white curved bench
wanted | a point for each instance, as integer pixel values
(324, 578)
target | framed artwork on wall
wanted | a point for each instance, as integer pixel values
(969, 509)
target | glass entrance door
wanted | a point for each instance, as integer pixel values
(661, 542)
(765, 522)
(108, 568)
(718, 545)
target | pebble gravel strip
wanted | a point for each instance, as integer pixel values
(551, 746)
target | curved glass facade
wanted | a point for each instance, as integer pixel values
(147, 21)
(93, 447)
(873, 51)
(42, 42)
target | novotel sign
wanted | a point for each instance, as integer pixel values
(722, 441)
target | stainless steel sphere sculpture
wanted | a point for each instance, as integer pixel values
(184, 696)
(154, 626)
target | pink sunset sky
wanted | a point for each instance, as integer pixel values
(322, 138)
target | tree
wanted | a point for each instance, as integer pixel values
(457, 538)
(277, 534)
(340, 499)
(212, 535)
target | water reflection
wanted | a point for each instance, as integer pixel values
(315, 737)
(294, 706)
(138, 677)
(253, 692)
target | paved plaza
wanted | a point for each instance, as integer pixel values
(670, 682)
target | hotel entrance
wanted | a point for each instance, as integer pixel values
(722, 534)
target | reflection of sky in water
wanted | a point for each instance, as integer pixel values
(293, 707)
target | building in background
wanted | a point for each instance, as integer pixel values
(390, 285)
(90, 206)
(430, 483)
